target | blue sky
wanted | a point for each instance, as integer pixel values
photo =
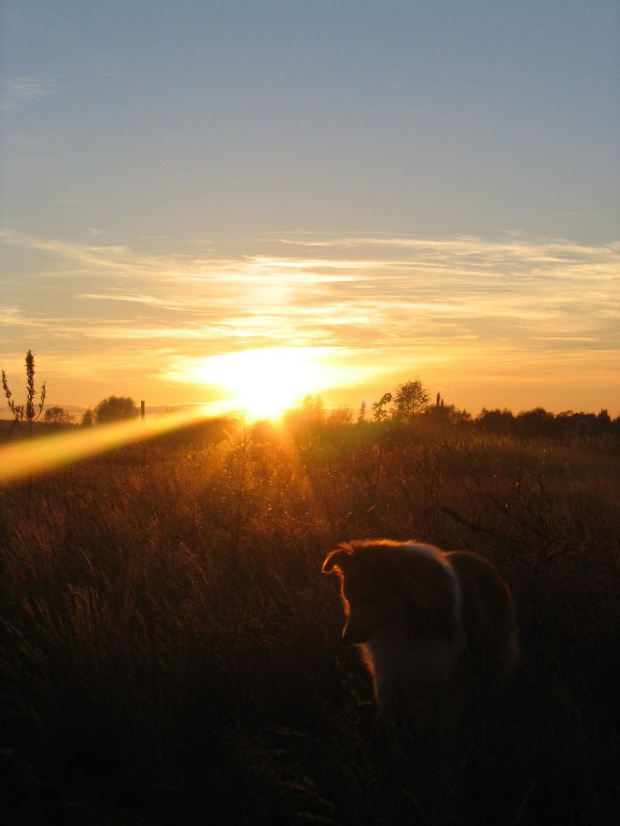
(409, 188)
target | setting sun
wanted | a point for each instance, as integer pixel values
(265, 382)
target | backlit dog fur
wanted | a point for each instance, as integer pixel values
(432, 626)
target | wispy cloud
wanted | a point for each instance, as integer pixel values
(387, 302)
(18, 91)
(148, 300)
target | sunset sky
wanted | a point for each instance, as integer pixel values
(217, 201)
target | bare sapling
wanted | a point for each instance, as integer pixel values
(31, 410)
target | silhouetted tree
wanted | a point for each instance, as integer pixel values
(603, 420)
(88, 419)
(379, 413)
(116, 409)
(536, 422)
(410, 399)
(574, 424)
(340, 415)
(361, 416)
(30, 411)
(311, 412)
(496, 421)
(443, 413)
(58, 415)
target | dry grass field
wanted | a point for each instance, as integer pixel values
(171, 654)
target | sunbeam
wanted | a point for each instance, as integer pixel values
(32, 457)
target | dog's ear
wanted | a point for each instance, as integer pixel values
(340, 559)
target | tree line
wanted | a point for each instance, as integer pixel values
(410, 403)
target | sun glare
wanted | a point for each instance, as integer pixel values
(265, 382)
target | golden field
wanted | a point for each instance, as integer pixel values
(170, 653)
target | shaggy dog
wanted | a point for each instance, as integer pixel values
(433, 627)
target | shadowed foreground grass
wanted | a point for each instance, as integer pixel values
(169, 652)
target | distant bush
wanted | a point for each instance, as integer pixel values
(116, 409)
(58, 415)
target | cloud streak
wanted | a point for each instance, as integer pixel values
(19, 91)
(403, 303)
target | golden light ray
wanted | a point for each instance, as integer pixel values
(35, 456)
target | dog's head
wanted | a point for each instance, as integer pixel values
(370, 602)
(404, 587)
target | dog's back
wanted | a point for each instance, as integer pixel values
(488, 616)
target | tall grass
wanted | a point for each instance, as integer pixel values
(169, 652)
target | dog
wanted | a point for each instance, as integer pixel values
(434, 627)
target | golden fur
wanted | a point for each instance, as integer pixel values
(432, 626)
